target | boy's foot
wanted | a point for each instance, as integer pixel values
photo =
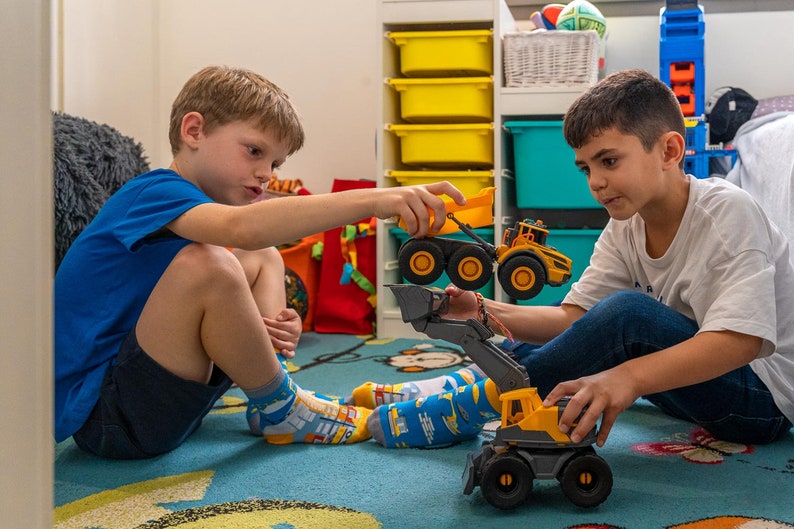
(371, 395)
(437, 420)
(292, 415)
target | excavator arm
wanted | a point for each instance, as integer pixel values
(422, 307)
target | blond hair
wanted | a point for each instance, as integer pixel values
(222, 94)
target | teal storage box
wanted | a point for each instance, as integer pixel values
(486, 233)
(576, 244)
(546, 177)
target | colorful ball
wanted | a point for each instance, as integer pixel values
(549, 13)
(582, 15)
(537, 20)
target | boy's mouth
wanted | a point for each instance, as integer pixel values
(255, 190)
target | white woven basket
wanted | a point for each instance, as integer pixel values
(551, 58)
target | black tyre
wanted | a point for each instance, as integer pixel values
(506, 481)
(470, 267)
(586, 480)
(421, 262)
(522, 276)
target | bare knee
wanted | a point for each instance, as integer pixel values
(205, 265)
(257, 264)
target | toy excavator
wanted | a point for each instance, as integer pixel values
(525, 263)
(528, 444)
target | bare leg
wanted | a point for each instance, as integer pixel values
(202, 312)
(264, 271)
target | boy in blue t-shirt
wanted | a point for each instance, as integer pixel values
(154, 316)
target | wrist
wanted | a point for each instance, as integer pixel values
(482, 310)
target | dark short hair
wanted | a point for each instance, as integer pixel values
(633, 101)
(223, 94)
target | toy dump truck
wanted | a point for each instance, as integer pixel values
(528, 444)
(525, 264)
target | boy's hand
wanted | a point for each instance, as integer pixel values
(285, 331)
(415, 203)
(601, 394)
(462, 304)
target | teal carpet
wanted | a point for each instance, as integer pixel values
(665, 474)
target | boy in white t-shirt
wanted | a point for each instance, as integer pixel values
(688, 300)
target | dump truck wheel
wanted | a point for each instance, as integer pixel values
(470, 267)
(522, 276)
(421, 262)
(506, 481)
(586, 480)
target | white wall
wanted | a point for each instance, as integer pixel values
(26, 266)
(126, 61)
(741, 49)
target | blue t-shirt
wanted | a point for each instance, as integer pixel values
(104, 282)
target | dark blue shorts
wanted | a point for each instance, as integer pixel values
(145, 410)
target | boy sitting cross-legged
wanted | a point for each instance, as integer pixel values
(155, 316)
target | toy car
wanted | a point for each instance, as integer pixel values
(525, 263)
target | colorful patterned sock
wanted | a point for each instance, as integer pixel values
(371, 395)
(289, 367)
(437, 420)
(284, 413)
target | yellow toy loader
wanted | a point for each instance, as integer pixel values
(528, 444)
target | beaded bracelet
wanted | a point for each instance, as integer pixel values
(484, 316)
(483, 312)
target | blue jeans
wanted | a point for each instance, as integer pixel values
(736, 406)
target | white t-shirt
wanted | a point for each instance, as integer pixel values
(728, 268)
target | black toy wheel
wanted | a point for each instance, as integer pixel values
(586, 480)
(522, 276)
(470, 267)
(421, 262)
(506, 481)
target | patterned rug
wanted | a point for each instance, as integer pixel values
(667, 473)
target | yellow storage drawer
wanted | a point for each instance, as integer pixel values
(469, 182)
(445, 100)
(445, 53)
(446, 145)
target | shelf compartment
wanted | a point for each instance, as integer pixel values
(453, 145)
(454, 53)
(445, 100)
(469, 182)
(546, 176)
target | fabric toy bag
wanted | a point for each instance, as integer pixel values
(346, 298)
(302, 275)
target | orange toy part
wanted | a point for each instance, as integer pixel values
(477, 212)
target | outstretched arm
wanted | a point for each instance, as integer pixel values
(272, 222)
(607, 394)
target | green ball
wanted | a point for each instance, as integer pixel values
(582, 15)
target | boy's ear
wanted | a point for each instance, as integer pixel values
(192, 128)
(674, 148)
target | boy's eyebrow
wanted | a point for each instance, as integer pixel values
(597, 156)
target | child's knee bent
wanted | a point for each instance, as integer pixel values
(208, 264)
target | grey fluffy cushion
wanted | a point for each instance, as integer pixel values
(91, 162)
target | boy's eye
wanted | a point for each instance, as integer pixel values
(254, 151)
(584, 170)
(609, 162)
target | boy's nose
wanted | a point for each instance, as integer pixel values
(263, 175)
(595, 181)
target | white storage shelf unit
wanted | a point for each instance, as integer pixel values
(509, 103)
